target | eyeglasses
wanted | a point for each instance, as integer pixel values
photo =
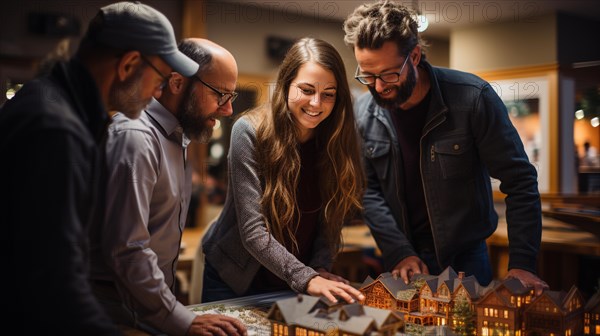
(224, 97)
(165, 78)
(388, 77)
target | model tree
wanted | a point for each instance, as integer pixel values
(463, 317)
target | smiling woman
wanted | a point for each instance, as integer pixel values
(295, 171)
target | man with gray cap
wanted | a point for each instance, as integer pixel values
(135, 251)
(51, 133)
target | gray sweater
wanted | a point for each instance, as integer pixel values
(238, 243)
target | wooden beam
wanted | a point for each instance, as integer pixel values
(193, 18)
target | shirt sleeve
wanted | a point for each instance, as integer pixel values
(247, 195)
(134, 163)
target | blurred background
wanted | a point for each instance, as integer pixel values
(541, 56)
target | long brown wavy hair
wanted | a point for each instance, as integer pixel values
(340, 169)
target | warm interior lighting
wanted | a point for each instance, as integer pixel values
(579, 114)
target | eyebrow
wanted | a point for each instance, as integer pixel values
(387, 70)
(312, 86)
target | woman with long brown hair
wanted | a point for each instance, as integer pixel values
(295, 177)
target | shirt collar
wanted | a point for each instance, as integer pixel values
(167, 121)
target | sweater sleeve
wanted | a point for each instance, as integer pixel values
(247, 195)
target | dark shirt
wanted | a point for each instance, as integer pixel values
(409, 129)
(309, 201)
(49, 137)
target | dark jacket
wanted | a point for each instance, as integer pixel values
(49, 137)
(467, 138)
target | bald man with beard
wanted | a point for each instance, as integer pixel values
(135, 249)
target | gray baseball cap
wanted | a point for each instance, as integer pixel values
(136, 26)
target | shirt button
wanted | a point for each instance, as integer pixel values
(456, 147)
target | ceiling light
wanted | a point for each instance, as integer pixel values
(595, 122)
(579, 114)
(422, 22)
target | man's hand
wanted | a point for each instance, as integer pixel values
(212, 324)
(528, 279)
(409, 266)
(329, 285)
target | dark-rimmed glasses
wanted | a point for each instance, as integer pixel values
(164, 77)
(224, 97)
(388, 77)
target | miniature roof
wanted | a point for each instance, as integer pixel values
(320, 320)
(393, 285)
(367, 282)
(560, 298)
(380, 315)
(514, 286)
(294, 307)
(593, 304)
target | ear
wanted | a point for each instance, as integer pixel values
(176, 83)
(127, 64)
(416, 55)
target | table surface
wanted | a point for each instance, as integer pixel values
(556, 235)
(259, 301)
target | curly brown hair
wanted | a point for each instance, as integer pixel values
(373, 24)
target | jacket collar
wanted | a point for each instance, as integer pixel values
(84, 94)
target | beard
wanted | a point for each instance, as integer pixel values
(192, 119)
(403, 91)
(125, 97)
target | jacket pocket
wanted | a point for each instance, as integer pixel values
(455, 157)
(377, 152)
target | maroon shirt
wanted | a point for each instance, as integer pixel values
(308, 197)
(409, 129)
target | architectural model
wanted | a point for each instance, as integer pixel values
(447, 304)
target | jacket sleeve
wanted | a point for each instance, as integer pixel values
(502, 151)
(56, 170)
(247, 193)
(134, 164)
(378, 215)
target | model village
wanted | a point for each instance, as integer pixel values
(448, 304)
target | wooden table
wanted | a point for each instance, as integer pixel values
(566, 252)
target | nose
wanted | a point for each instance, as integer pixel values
(380, 85)
(157, 93)
(227, 109)
(315, 100)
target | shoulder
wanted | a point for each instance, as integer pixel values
(445, 76)
(131, 135)
(363, 105)
(40, 105)
(243, 127)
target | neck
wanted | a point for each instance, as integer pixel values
(420, 91)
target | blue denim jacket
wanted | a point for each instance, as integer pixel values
(467, 138)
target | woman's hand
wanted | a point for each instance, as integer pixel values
(330, 285)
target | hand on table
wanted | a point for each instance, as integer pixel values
(329, 285)
(212, 324)
(409, 266)
(528, 279)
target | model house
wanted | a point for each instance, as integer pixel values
(555, 313)
(591, 315)
(307, 316)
